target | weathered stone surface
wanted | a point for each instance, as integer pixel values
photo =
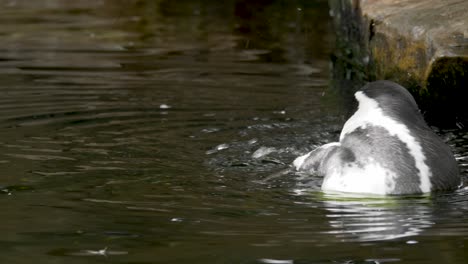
(422, 45)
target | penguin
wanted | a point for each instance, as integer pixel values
(385, 148)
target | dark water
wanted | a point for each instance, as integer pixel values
(140, 132)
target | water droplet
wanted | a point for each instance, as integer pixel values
(217, 148)
(262, 151)
(252, 141)
(222, 146)
(100, 252)
(282, 112)
(210, 130)
(276, 261)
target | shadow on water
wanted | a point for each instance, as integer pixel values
(140, 132)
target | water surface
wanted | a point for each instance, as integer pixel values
(141, 131)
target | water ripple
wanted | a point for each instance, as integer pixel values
(150, 130)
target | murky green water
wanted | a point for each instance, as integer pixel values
(140, 131)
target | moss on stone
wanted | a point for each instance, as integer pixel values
(403, 43)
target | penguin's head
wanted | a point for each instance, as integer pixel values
(394, 100)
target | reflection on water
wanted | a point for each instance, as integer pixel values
(364, 219)
(143, 131)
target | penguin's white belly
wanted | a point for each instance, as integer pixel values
(370, 178)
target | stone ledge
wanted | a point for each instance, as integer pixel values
(422, 45)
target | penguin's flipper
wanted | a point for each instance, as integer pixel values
(312, 161)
